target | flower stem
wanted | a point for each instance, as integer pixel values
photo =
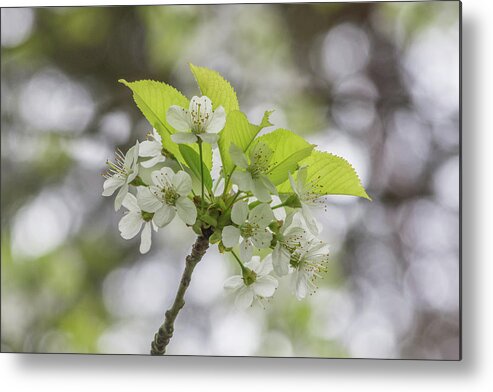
(201, 176)
(238, 260)
(165, 332)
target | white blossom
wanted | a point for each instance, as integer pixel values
(153, 149)
(308, 263)
(306, 192)
(169, 195)
(252, 227)
(199, 121)
(253, 177)
(291, 237)
(134, 218)
(121, 173)
(254, 284)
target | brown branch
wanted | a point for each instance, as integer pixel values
(165, 332)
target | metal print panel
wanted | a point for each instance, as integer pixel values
(275, 180)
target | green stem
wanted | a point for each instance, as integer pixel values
(201, 175)
(165, 332)
(243, 268)
(278, 206)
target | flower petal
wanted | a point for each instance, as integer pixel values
(145, 238)
(217, 121)
(246, 249)
(179, 118)
(301, 179)
(130, 225)
(210, 138)
(260, 191)
(164, 215)
(265, 266)
(262, 215)
(120, 196)
(130, 203)
(184, 137)
(280, 260)
(301, 286)
(153, 161)
(230, 236)
(265, 286)
(239, 212)
(112, 184)
(310, 221)
(294, 187)
(243, 179)
(146, 200)
(238, 156)
(233, 282)
(268, 184)
(244, 298)
(150, 148)
(262, 238)
(163, 177)
(182, 182)
(186, 210)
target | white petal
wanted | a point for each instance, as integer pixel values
(310, 221)
(179, 118)
(201, 106)
(217, 121)
(131, 156)
(145, 238)
(210, 138)
(280, 260)
(184, 137)
(230, 236)
(268, 184)
(186, 210)
(253, 264)
(238, 156)
(262, 215)
(218, 186)
(120, 196)
(130, 203)
(301, 179)
(150, 148)
(130, 225)
(239, 212)
(262, 238)
(265, 266)
(293, 184)
(243, 179)
(146, 200)
(301, 285)
(233, 282)
(182, 182)
(260, 191)
(162, 178)
(164, 215)
(153, 161)
(265, 286)
(246, 249)
(112, 184)
(244, 298)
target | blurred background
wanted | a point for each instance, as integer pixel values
(377, 83)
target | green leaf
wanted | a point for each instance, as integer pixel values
(239, 131)
(154, 99)
(218, 89)
(192, 159)
(332, 175)
(288, 150)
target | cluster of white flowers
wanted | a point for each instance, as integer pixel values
(155, 200)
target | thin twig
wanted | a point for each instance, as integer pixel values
(165, 332)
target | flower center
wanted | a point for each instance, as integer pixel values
(247, 230)
(249, 276)
(199, 119)
(147, 216)
(170, 196)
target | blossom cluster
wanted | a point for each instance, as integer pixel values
(154, 188)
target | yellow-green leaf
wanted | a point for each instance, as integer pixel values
(331, 174)
(288, 150)
(154, 99)
(214, 86)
